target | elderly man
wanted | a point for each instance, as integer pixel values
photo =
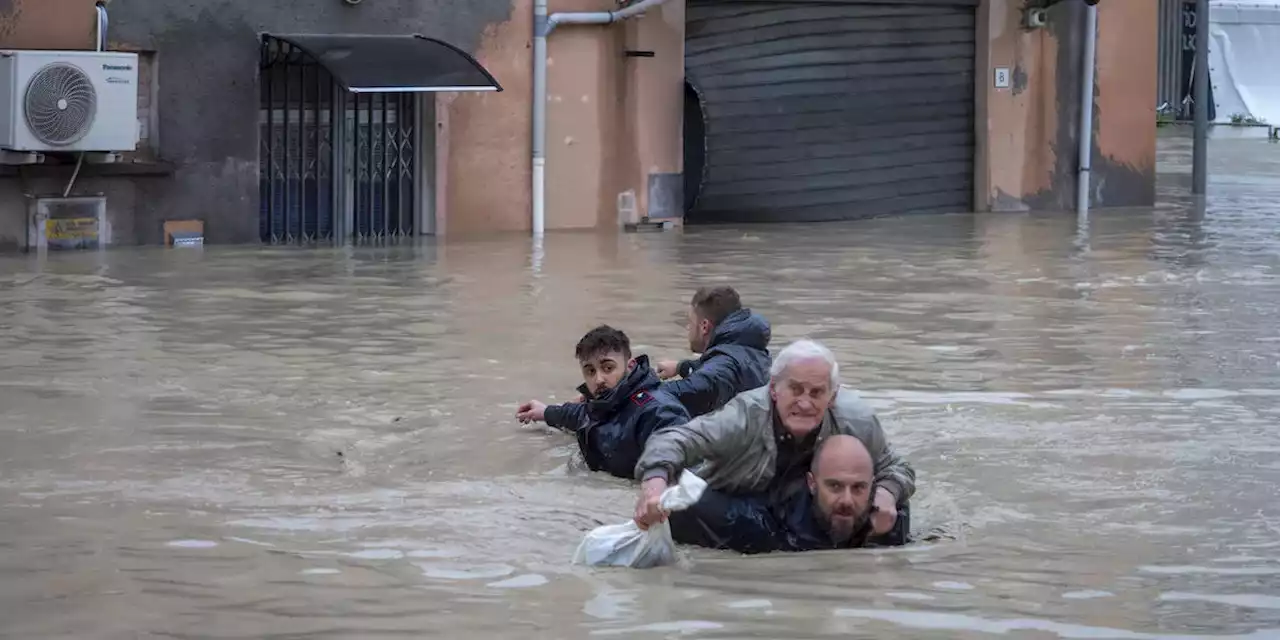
(761, 443)
(834, 513)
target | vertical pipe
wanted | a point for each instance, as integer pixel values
(1086, 110)
(368, 172)
(410, 131)
(340, 164)
(401, 138)
(388, 137)
(543, 25)
(419, 185)
(101, 43)
(1200, 151)
(315, 149)
(269, 73)
(303, 147)
(540, 25)
(288, 157)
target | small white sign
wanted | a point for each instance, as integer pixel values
(1002, 77)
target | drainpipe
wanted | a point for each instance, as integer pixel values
(543, 25)
(1086, 108)
(103, 20)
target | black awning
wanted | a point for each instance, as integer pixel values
(377, 63)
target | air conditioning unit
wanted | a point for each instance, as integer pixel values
(68, 101)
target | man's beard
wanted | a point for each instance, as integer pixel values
(837, 532)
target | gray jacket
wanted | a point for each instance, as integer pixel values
(737, 445)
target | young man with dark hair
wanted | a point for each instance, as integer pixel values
(734, 343)
(623, 404)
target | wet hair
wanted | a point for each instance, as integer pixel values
(804, 350)
(601, 340)
(716, 303)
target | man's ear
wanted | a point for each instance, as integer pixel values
(813, 482)
(631, 364)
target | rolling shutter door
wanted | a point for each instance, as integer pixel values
(832, 111)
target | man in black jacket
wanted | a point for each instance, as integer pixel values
(734, 343)
(835, 512)
(623, 404)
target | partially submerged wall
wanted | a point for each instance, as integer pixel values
(1029, 158)
(613, 123)
(208, 98)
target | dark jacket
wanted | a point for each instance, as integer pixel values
(613, 429)
(746, 523)
(804, 532)
(737, 359)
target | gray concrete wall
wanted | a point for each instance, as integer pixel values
(208, 96)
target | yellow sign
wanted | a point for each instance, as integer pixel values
(71, 229)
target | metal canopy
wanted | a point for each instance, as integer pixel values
(393, 64)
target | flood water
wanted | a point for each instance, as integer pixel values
(253, 443)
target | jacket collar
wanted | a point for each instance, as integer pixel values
(742, 327)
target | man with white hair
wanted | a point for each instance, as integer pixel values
(761, 443)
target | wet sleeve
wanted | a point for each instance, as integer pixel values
(892, 471)
(659, 418)
(686, 368)
(717, 435)
(708, 388)
(569, 416)
(724, 520)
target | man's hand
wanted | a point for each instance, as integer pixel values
(668, 369)
(531, 411)
(649, 508)
(886, 513)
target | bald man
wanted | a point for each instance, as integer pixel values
(835, 513)
(839, 499)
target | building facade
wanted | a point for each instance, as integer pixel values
(698, 111)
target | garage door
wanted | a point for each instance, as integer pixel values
(830, 110)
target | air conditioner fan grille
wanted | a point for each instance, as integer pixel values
(61, 104)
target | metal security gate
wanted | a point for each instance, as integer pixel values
(380, 136)
(832, 110)
(296, 130)
(329, 173)
(1169, 57)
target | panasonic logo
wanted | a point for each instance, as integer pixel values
(117, 67)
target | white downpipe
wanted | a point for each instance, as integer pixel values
(539, 116)
(101, 9)
(543, 25)
(1090, 63)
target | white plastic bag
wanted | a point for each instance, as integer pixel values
(627, 545)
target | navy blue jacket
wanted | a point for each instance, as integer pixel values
(736, 360)
(747, 524)
(612, 429)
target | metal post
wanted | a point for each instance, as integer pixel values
(1200, 152)
(1086, 110)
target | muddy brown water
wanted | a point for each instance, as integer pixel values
(1094, 418)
